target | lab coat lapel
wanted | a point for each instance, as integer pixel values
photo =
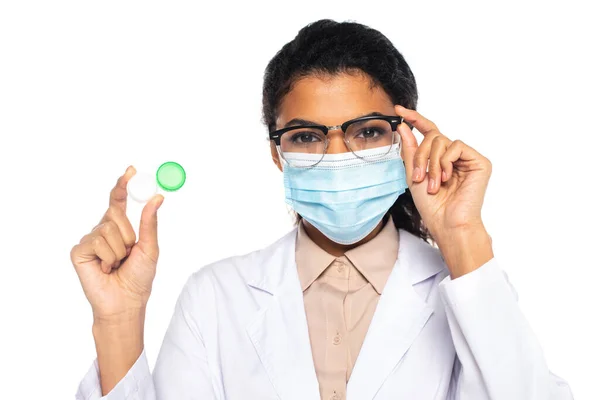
(399, 317)
(280, 330)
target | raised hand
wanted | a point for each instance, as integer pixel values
(447, 180)
(116, 272)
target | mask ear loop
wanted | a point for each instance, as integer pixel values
(282, 160)
(397, 140)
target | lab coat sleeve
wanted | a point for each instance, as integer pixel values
(499, 356)
(181, 370)
(136, 385)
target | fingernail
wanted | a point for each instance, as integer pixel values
(444, 176)
(416, 174)
(105, 267)
(431, 184)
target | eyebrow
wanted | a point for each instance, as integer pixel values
(304, 122)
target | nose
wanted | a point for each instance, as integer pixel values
(336, 142)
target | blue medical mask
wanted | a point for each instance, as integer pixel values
(345, 196)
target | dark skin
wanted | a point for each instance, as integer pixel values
(116, 269)
(331, 101)
(447, 179)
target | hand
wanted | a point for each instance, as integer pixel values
(447, 180)
(116, 272)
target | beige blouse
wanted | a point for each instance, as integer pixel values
(340, 296)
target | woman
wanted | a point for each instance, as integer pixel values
(354, 303)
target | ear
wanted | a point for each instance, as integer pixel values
(275, 156)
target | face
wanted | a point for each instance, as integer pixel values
(330, 101)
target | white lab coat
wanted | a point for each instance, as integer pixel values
(239, 331)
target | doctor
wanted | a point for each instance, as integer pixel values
(355, 303)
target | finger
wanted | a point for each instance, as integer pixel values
(110, 231)
(421, 158)
(149, 227)
(468, 157)
(429, 131)
(447, 167)
(458, 150)
(118, 194)
(408, 148)
(96, 248)
(438, 148)
(422, 124)
(125, 228)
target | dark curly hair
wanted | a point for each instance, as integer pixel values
(327, 47)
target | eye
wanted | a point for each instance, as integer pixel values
(305, 137)
(369, 133)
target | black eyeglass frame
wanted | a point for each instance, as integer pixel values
(393, 120)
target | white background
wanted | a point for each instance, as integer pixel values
(87, 88)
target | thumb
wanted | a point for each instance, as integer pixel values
(148, 241)
(409, 148)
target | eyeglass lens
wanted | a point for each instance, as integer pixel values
(360, 135)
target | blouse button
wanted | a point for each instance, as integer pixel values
(337, 339)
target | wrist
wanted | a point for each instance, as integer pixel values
(125, 337)
(111, 327)
(119, 343)
(462, 233)
(121, 335)
(128, 317)
(465, 249)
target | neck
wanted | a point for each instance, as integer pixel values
(333, 248)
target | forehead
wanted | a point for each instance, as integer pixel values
(333, 99)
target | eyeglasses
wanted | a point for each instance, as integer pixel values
(364, 133)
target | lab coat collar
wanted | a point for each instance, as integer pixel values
(279, 331)
(420, 258)
(400, 316)
(422, 262)
(273, 267)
